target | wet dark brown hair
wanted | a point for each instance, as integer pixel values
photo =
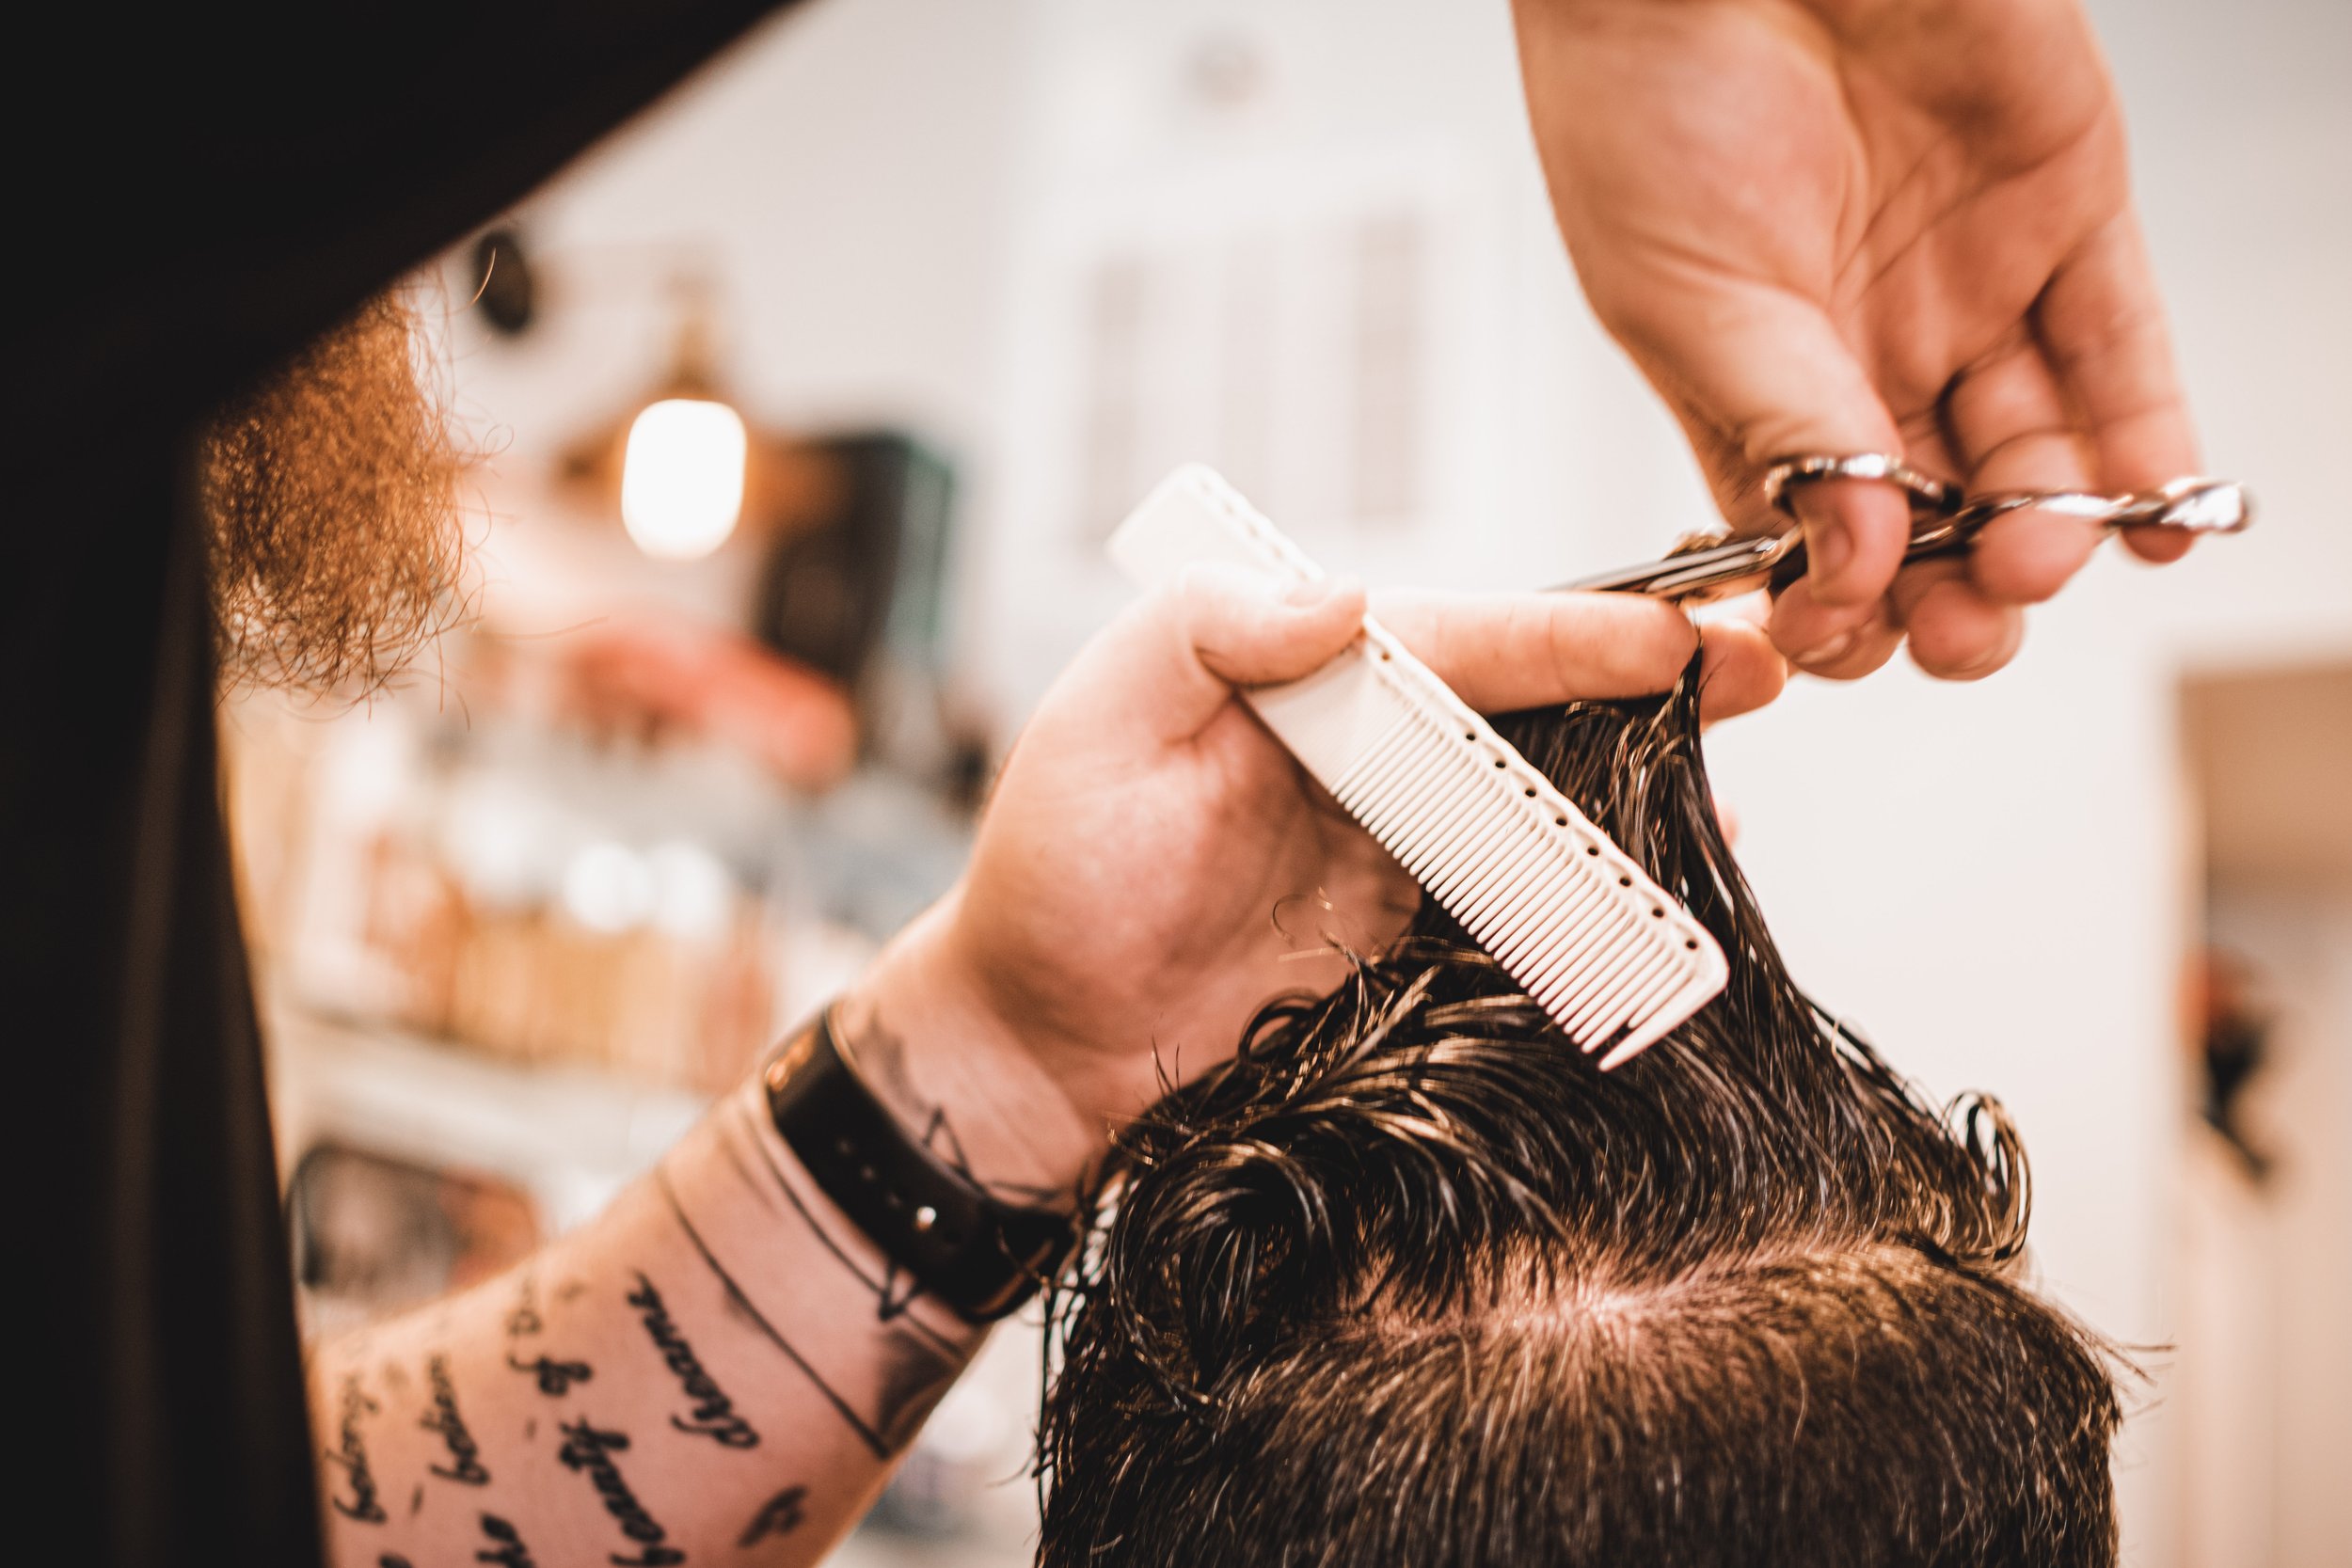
(330, 490)
(1412, 1282)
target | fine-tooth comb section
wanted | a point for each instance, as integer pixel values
(1606, 951)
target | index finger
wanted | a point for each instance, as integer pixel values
(1505, 651)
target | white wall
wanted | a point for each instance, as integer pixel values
(847, 169)
(844, 175)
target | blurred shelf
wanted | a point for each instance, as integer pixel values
(571, 1136)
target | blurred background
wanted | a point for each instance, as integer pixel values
(807, 402)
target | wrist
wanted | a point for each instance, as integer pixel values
(933, 1045)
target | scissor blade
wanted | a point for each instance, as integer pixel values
(1681, 575)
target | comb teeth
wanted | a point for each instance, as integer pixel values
(1612, 957)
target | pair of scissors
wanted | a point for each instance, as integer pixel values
(1944, 521)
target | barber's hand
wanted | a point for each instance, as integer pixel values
(1902, 225)
(1123, 899)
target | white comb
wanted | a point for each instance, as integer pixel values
(1609, 954)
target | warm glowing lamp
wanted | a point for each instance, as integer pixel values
(682, 477)
(687, 469)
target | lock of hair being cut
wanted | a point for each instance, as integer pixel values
(1411, 1282)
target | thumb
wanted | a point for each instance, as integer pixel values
(1161, 671)
(1245, 628)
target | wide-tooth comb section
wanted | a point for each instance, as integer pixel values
(1614, 958)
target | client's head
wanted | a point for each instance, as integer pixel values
(1412, 1282)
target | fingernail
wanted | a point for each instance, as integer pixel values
(1318, 590)
(1984, 664)
(1823, 655)
(1312, 592)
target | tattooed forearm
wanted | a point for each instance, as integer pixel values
(588, 1450)
(714, 1415)
(350, 1455)
(462, 1434)
(464, 1455)
(779, 1515)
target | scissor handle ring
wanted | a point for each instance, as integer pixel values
(1930, 496)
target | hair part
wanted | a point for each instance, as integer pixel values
(1411, 1281)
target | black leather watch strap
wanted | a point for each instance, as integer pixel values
(981, 1256)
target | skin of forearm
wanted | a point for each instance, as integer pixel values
(718, 1368)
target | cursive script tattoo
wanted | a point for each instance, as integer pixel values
(714, 1415)
(780, 1515)
(464, 1455)
(507, 1546)
(588, 1450)
(555, 1377)
(350, 1453)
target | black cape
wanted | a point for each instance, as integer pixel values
(195, 198)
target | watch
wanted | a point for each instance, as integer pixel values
(980, 1255)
